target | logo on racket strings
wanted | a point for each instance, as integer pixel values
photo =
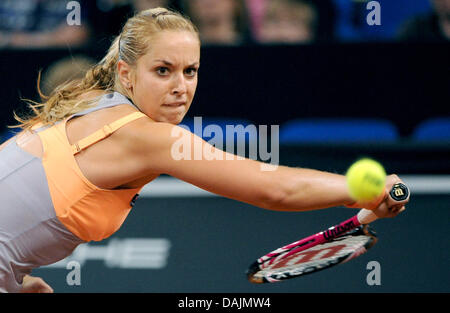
(309, 255)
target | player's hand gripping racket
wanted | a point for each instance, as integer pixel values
(337, 244)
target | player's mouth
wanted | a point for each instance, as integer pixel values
(175, 104)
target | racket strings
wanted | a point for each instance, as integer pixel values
(313, 259)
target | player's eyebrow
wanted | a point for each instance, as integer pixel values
(170, 64)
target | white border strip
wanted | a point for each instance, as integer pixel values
(172, 187)
(427, 184)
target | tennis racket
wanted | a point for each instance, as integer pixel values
(336, 245)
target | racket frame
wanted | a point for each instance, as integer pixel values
(399, 192)
(345, 228)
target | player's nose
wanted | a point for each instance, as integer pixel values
(179, 85)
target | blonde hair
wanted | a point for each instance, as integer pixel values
(133, 42)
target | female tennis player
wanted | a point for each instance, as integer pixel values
(73, 172)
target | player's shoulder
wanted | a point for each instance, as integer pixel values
(146, 134)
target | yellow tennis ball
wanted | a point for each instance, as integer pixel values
(366, 179)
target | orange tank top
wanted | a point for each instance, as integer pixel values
(89, 212)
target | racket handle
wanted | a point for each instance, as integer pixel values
(399, 192)
(366, 216)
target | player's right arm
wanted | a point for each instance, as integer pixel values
(166, 149)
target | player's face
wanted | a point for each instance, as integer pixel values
(165, 78)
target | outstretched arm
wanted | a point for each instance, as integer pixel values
(174, 151)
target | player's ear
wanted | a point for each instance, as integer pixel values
(125, 73)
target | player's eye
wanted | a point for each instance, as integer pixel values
(162, 70)
(191, 71)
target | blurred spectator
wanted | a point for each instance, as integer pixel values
(223, 22)
(288, 21)
(292, 21)
(64, 70)
(255, 15)
(43, 24)
(434, 26)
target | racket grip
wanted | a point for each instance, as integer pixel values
(399, 192)
(365, 216)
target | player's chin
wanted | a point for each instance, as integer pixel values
(172, 119)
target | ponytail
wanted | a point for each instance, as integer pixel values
(65, 100)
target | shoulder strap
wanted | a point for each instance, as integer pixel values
(107, 101)
(104, 132)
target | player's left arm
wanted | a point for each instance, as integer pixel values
(32, 284)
